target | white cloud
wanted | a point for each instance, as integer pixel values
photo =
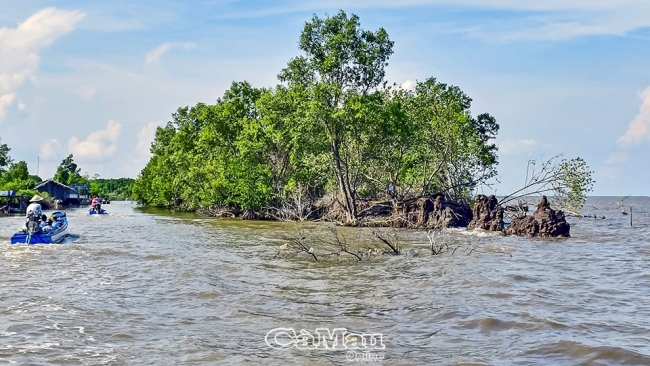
(139, 158)
(547, 5)
(50, 149)
(145, 138)
(123, 94)
(87, 92)
(566, 24)
(408, 84)
(612, 168)
(22, 105)
(20, 48)
(610, 172)
(616, 158)
(639, 128)
(5, 102)
(534, 20)
(508, 147)
(154, 56)
(98, 145)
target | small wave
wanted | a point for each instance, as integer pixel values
(154, 257)
(20, 328)
(544, 321)
(494, 325)
(524, 278)
(207, 294)
(588, 354)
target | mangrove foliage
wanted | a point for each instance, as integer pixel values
(333, 127)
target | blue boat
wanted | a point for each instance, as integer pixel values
(92, 211)
(35, 234)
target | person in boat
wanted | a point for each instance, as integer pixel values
(96, 204)
(56, 223)
(34, 210)
(43, 220)
(47, 225)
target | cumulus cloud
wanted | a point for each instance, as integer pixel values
(508, 147)
(612, 168)
(154, 56)
(609, 172)
(99, 144)
(557, 22)
(639, 129)
(86, 92)
(141, 155)
(408, 84)
(50, 149)
(146, 136)
(5, 102)
(20, 48)
(616, 158)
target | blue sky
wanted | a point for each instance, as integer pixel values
(94, 78)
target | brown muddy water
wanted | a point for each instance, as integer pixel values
(143, 288)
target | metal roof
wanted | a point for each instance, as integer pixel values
(41, 184)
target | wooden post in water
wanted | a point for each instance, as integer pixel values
(630, 216)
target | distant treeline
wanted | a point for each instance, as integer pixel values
(333, 127)
(114, 189)
(15, 176)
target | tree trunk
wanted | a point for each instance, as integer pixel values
(349, 201)
(249, 215)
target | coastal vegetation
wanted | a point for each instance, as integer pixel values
(569, 180)
(334, 140)
(69, 173)
(333, 132)
(14, 176)
(112, 188)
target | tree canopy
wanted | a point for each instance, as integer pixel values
(14, 176)
(333, 124)
(68, 172)
(5, 159)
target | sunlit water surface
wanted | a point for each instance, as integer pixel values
(137, 288)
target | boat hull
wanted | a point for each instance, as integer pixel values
(101, 212)
(50, 237)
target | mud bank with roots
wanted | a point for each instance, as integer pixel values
(432, 212)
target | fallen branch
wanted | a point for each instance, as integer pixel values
(394, 247)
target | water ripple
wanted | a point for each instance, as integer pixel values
(138, 288)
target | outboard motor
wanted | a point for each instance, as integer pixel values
(33, 222)
(33, 225)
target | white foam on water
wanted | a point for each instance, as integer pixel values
(39, 346)
(480, 233)
(497, 249)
